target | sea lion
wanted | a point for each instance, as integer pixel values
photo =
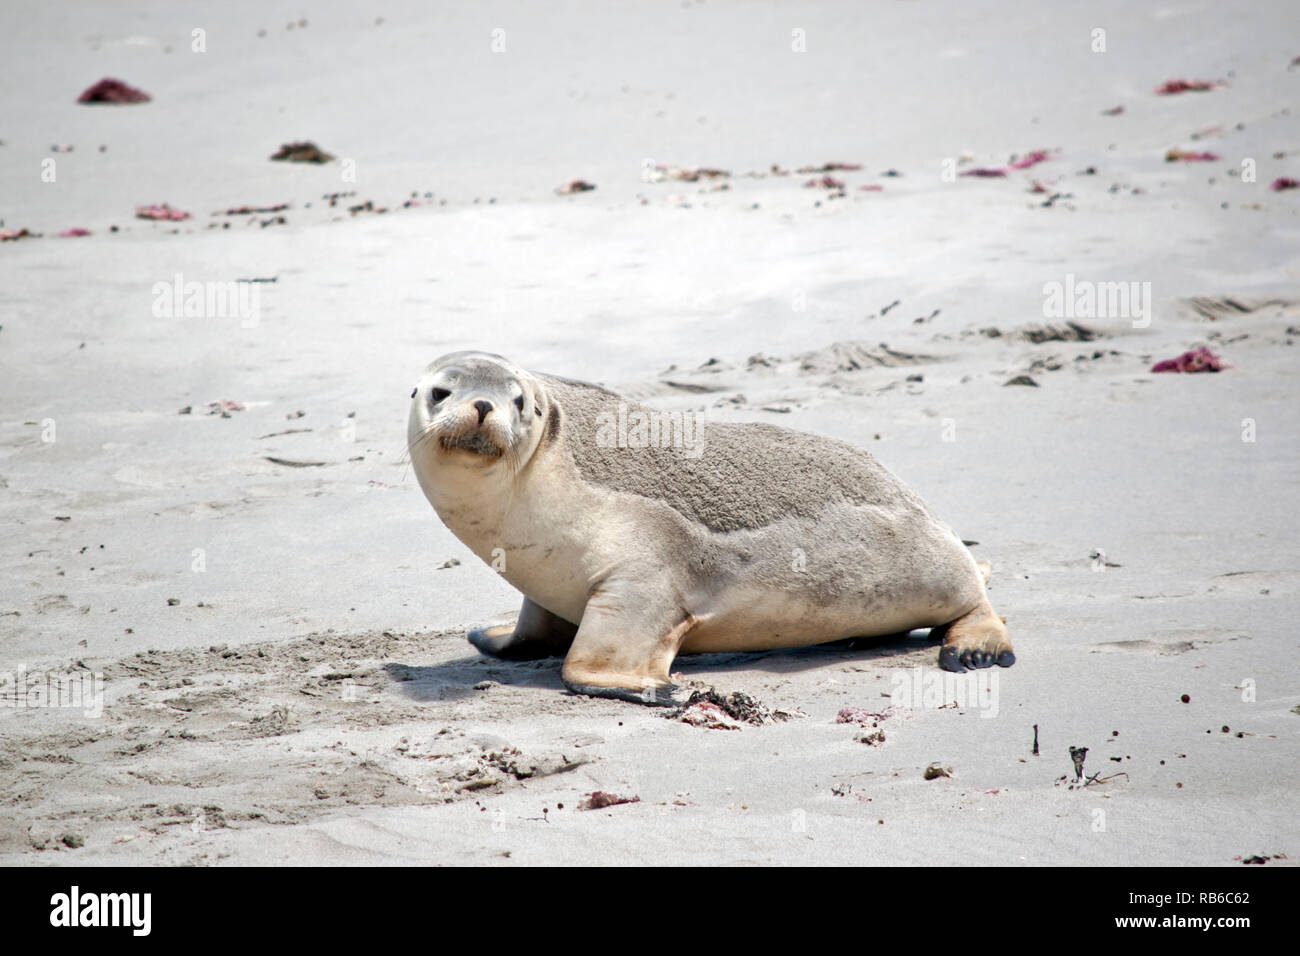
(630, 550)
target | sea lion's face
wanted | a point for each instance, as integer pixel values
(474, 410)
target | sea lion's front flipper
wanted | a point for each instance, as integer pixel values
(626, 645)
(538, 633)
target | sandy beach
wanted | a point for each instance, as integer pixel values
(958, 236)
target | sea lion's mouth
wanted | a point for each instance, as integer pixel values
(471, 441)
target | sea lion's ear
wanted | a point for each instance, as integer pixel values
(414, 390)
(538, 410)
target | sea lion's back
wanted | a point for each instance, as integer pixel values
(740, 476)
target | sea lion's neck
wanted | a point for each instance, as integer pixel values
(473, 503)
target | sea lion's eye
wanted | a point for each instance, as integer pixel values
(519, 403)
(438, 394)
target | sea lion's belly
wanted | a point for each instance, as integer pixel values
(856, 572)
(755, 620)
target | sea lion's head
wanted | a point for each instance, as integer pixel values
(474, 410)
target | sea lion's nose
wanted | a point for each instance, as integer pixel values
(483, 409)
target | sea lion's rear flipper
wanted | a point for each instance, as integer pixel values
(538, 633)
(626, 645)
(976, 639)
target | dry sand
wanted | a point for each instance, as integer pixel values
(282, 650)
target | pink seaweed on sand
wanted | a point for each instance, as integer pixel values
(109, 90)
(225, 406)
(1170, 87)
(1284, 182)
(162, 211)
(825, 182)
(1186, 156)
(997, 172)
(75, 233)
(599, 800)
(708, 715)
(1199, 359)
(1033, 159)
